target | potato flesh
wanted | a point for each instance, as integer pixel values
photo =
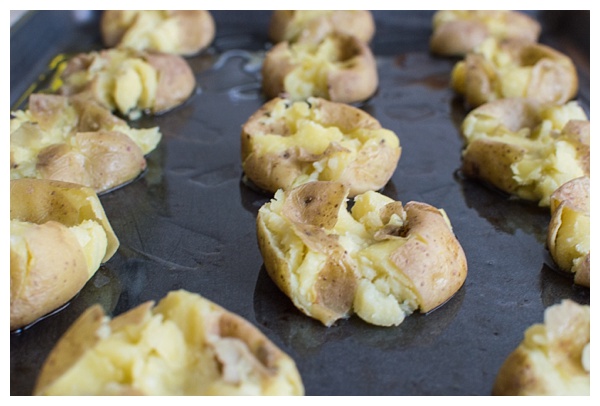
(175, 349)
(384, 295)
(308, 133)
(549, 161)
(27, 140)
(301, 19)
(151, 29)
(123, 82)
(314, 63)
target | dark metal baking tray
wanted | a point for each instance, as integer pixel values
(189, 222)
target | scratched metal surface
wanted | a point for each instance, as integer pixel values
(189, 222)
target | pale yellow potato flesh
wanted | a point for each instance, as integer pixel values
(524, 148)
(456, 32)
(554, 357)
(286, 144)
(182, 32)
(514, 68)
(185, 345)
(76, 140)
(377, 260)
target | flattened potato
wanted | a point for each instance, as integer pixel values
(553, 359)
(185, 345)
(456, 32)
(526, 149)
(77, 140)
(569, 230)
(59, 236)
(181, 32)
(381, 261)
(130, 82)
(314, 25)
(515, 68)
(285, 144)
(339, 68)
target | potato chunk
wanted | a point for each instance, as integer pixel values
(381, 260)
(553, 358)
(185, 345)
(286, 144)
(77, 140)
(526, 149)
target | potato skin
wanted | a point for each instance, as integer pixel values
(456, 32)
(209, 330)
(553, 77)
(371, 169)
(195, 29)
(176, 81)
(570, 205)
(549, 360)
(50, 268)
(284, 25)
(352, 78)
(433, 260)
(422, 255)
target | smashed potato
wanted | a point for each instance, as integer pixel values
(59, 236)
(526, 149)
(185, 345)
(457, 32)
(128, 81)
(339, 68)
(285, 144)
(381, 260)
(569, 231)
(515, 68)
(181, 32)
(77, 140)
(314, 25)
(554, 357)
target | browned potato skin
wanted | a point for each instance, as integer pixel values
(356, 81)
(458, 37)
(433, 260)
(196, 29)
(359, 23)
(176, 81)
(83, 334)
(371, 171)
(59, 269)
(553, 79)
(313, 207)
(573, 196)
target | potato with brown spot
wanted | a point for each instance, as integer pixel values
(181, 32)
(382, 260)
(59, 236)
(285, 144)
(185, 345)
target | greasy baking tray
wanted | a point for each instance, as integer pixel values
(189, 222)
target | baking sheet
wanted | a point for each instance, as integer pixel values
(189, 222)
